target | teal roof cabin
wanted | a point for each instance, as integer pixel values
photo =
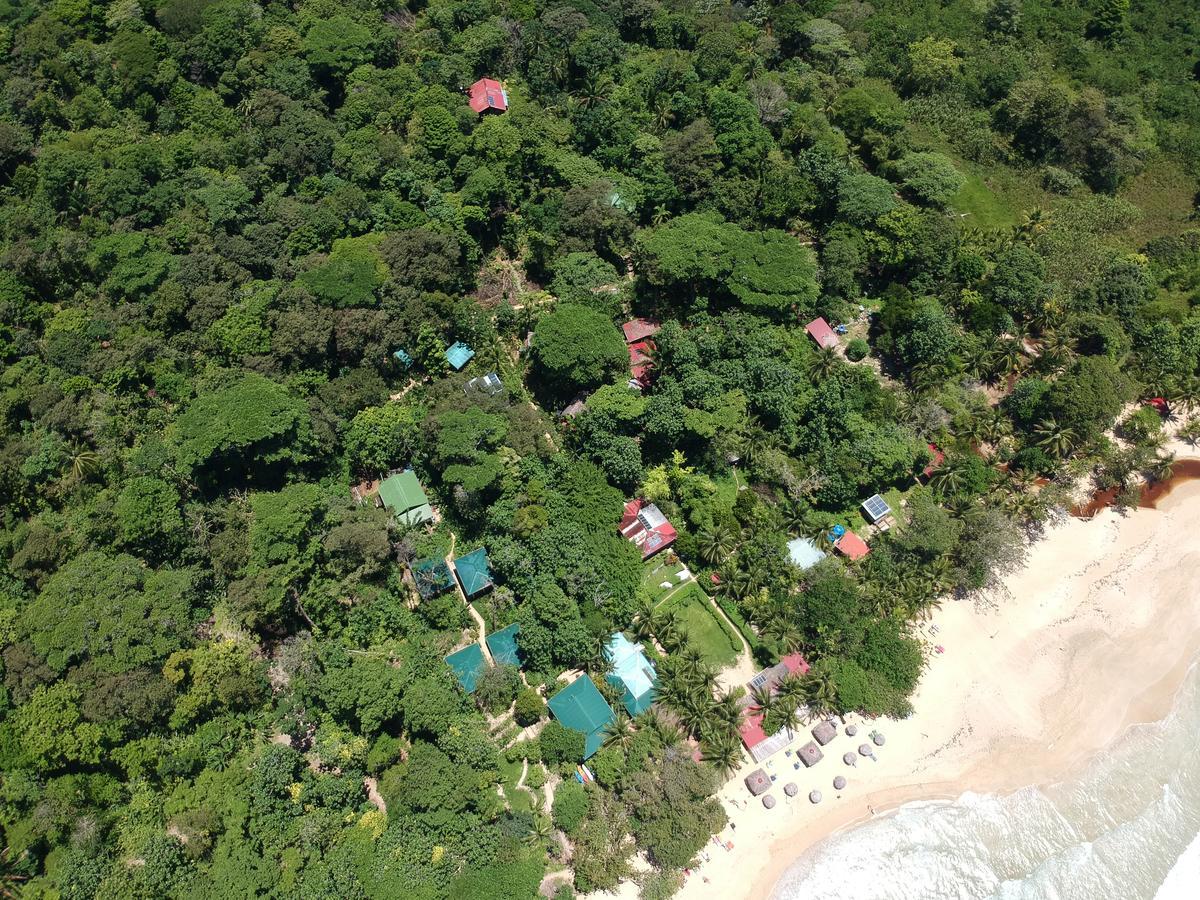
(502, 645)
(432, 577)
(401, 493)
(581, 707)
(474, 572)
(458, 355)
(631, 673)
(467, 664)
(402, 357)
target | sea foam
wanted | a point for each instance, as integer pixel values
(1126, 827)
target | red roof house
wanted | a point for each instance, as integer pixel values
(639, 329)
(936, 463)
(818, 329)
(751, 729)
(646, 526)
(795, 664)
(851, 546)
(640, 362)
(487, 94)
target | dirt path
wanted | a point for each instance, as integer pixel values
(745, 668)
(480, 624)
(373, 794)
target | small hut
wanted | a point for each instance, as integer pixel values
(865, 750)
(824, 732)
(849, 758)
(790, 789)
(879, 739)
(814, 796)
(769, 801)
(757, 782)
(810, 754)
(839, 783)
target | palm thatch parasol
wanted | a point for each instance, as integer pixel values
(814, 796)
(865, 750)
(824, 732)
(879, 739)
(769, 801)
(839, 783)
(810, 754)
(849, 758)
(852, 730)
(757, 782)
(790, 789)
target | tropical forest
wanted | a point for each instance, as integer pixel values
(373, 373)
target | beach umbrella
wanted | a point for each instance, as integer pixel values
(852, 730)
(769, 802)
(814, 796)
(790, 789)
(839, 783)
(878, 739)
(849, 758)
(865, 750)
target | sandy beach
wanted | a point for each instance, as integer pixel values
(1094, 634)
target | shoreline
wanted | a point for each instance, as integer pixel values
(1101, 625)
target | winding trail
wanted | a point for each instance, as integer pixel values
(479, 622)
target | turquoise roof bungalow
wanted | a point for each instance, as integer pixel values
(581, 707)
(474, 572)
(631, 673)
(458, 355)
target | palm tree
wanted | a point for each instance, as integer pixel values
(822, 364)
(1162, 468)
(618, 732)
(1058, 349)
(728, 710)
(540, 831)
(781, 716)
(790, 690)
(784, 632)
(691, 663)
(820, 694)
(1010, 358)
(723, 751)
(1055, 439)
(949, 479)
(1033, 225)
(715, 545)
(762, 699)
(84, 461)
(646, 620)
(1190, 431)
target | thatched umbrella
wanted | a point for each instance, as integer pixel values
(769, 801)
(824, 732)
(839, 783)
(757, 782)
(814, 796)
(849, 758)
(879, 739)
(852, 730)
(865, 750)
(810, 754)
(790, 789)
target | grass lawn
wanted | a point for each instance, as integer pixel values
(657, 572)
(705, 632)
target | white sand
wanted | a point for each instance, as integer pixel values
(1094, 634)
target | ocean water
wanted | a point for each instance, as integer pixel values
(1127, 826)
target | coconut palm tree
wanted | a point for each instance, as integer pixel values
(1055, 439)
(727, 711)
(784, 632)
(84, 461)
(716, 544)
(539, 832)
(723, 751)
(762, 699)
(949, 480)
(1162, 468)
(822, 364)
(618, 732)
(820, 693)
(1010, 358)
(781, 716)
(646, 620)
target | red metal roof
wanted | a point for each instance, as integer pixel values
(796, 663)
(640, 362)
(938, 458)
(751, 730)
(646, 527)
(818, 329)
(851, 546)
(487, 93)
(639, 330)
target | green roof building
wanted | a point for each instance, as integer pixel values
(458, 355)
(503, 646)
(432, 577)
(474, 572)
(401, 493)
(467, 664)
(581, 707)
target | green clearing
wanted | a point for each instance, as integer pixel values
(705, 631)
(657, 572)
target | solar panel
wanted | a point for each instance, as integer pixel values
(876, 507)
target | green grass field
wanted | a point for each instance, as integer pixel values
(658, 572)
(705, 632)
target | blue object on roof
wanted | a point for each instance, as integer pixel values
(804, 553)
(468, 664)
(402, 357)
(458, 355)
(836, 532)
(631, 673)
(503, 646)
